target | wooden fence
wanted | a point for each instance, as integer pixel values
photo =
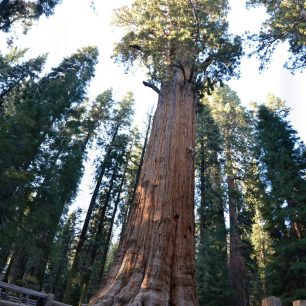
(275, 301)
(12, 295)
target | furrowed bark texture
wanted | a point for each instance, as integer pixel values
(155, 263)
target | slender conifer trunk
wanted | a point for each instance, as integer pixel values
(82, 238)
(155, 261)
(237, 266)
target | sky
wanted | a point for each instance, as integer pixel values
(75, 25)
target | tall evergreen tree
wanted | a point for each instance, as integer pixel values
(78, 131)
(59, 169)
(61, 254)
(120, 120)
(107, 204)
(234, 125)
(15, 73)
(286, 22)
(213, 281)
(25, 11)
(43, 123)
(30, 114)
(283, 165)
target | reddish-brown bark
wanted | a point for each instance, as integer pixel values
(155, 262)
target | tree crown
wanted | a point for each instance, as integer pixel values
(170, 35)
(286, 22)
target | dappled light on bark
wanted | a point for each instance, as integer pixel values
(155, 263)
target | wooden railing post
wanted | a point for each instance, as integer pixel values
(299, 303)
(271, 301)
(49, 299)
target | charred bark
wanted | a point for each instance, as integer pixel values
(155, 262)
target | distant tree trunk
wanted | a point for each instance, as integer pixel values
(132, 195)
(17, 265)
(4, 257)
(155, 262)
(202, 190)
(98, 240)
(212, 259)
(237, 267)
(109, 233)
(46, 238)
(84, 231)
(295, 227)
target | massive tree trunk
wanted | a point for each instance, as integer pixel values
(155, 262)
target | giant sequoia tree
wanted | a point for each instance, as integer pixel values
(185, 46)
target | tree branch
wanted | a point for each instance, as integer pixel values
(135, 47)
(152, 86)
(194, 12)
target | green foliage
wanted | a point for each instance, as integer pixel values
(14, 73)
(61, 254)
(213, 284)
(43, 122)
(24, 11)
(283, 164)
(286, 22)
(235, 176)
(191, 36)
(30, 112)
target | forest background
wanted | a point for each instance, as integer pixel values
(60, 36)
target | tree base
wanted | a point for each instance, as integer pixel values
(147, 298)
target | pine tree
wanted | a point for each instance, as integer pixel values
(24, 11)
(15, 73)
(41, 127)
(234, 125)
(105, 214)
(282, 159)
(119, 120)
(30, 115)
(212, 261)
(286, 22)
(60, 257)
